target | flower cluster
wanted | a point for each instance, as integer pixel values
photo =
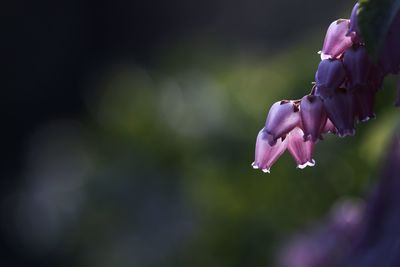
(343, 93)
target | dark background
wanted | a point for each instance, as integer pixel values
(82, 81)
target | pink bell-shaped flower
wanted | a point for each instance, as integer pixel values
(266, 155)
(329, 76)
(300, 150)
(336, 41)
(329, 127)
(341, 111)
(313, 117)
(282, 117)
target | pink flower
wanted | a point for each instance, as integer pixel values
(300, 150)
(336, 41)
(346, 82)
(282, 118)
(266, 155)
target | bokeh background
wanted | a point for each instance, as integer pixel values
(129, 129)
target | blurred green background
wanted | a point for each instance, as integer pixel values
(154, 169)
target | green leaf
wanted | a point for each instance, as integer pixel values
(374, 19)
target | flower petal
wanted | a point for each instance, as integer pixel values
(341, 111)
(300, 150)
(336, 41)
(364, 104)
(329, 127)
(266, 155)
(329, 76)
(357, 65)
(313, 116)
(282, 118)
(354, 31)
(375, 77)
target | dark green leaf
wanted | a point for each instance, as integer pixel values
(375, 18)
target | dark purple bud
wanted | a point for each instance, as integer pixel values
(266, 155)
(375, 78)
(364, 101)
(340, 109)
(357, 65)
(354, 31)
(282, 118)
(336, 41)
(313, 117)
(390, 56)
(300, 150)
(330, 76)
(329, 127)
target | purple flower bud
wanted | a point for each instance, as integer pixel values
(266, 155)
(330, 76)
(282, 118)
(340, 109)
(357, 65)
(375, 78)
(336, 41)
(313, 117)
(354, 31)
(390, 56)
(300, 150)
(364, 101)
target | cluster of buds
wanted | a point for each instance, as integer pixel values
(343, 93)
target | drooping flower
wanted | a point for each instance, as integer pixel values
(300, 150)
(357, 65)
(341, 111)
(336, 41)
(266, 155)
(364, 104)
(313, 117)
(346, 83)
(329, 76)
(282, 118)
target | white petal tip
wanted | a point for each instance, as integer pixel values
(325, 56)
(367, 118)
(266, 170)
(308, 163)
(373, 116)
(347, 133)
(254, 165)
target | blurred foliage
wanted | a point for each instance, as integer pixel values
(162, 164)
